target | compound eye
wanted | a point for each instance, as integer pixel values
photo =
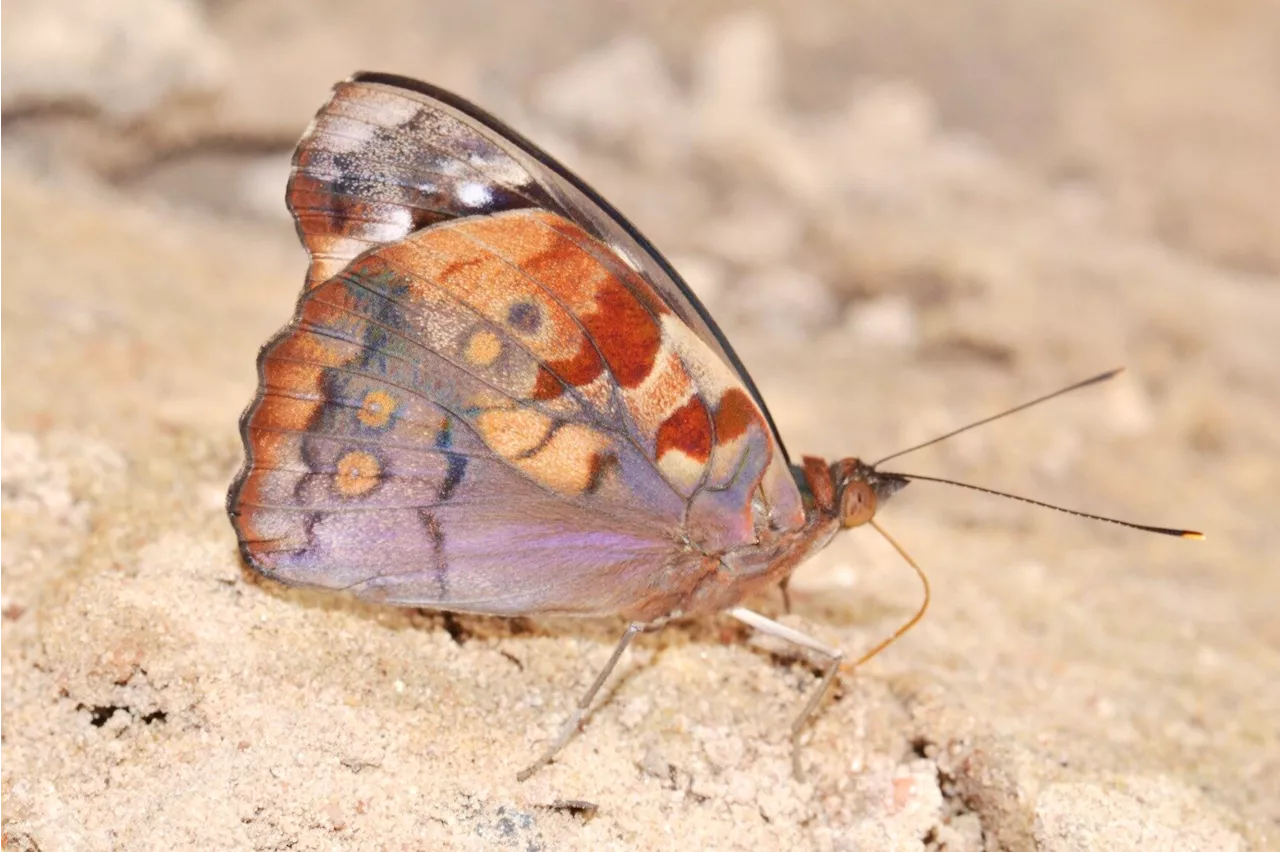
(857, 504)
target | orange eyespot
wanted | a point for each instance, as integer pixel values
(857, 504)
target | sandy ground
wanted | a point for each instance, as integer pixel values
(904, 222)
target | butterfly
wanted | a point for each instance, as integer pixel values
(495, 396)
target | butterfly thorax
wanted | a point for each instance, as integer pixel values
(836, 495)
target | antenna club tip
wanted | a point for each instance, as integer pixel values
(1192, 534)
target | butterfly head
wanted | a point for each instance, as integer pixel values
(849, 489)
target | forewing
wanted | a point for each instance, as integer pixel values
(388, 156)
(495, 414)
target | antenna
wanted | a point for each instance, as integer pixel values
(1191, 534)
(1101, 377)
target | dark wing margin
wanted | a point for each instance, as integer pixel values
(583, 204)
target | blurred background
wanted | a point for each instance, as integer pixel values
(1163, 114)
(905, 215)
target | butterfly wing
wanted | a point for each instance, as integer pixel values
(389, 155)
(496, 414)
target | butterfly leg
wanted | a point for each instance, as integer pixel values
(831, 668)
(786, 594)
(580, 712)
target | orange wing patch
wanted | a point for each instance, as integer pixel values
(567, 458)
(569, 461)
(483, 348)
(357, 474)
(514, 432)
(376, 409)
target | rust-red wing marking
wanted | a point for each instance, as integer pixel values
(627, 335)
(580, 370)
(688, 430)
(735, 413)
